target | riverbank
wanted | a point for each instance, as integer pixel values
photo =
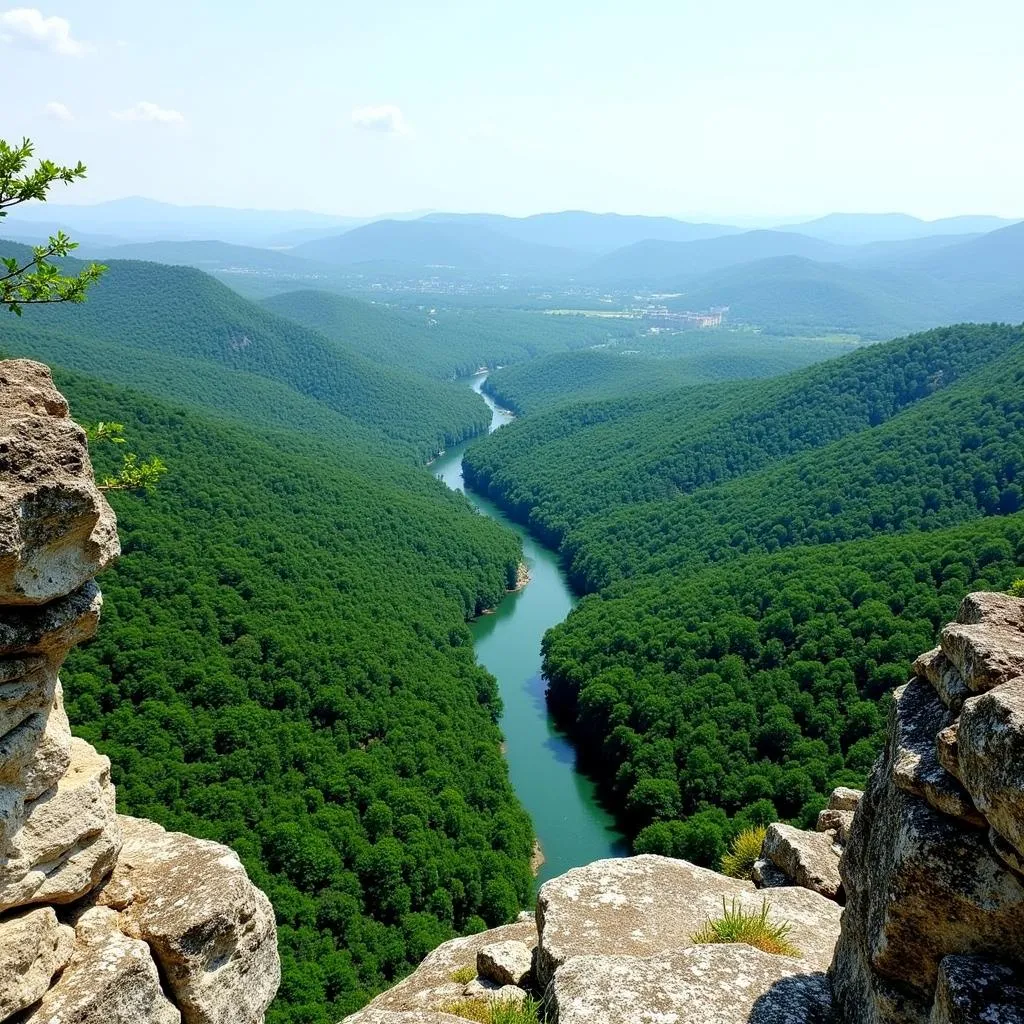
(572, 827)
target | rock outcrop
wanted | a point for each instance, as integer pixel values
(934, 925)
(103, 919)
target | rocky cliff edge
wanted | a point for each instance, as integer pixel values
(104, 919)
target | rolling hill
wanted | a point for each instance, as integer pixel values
(157, 320)
(761, 561)
(860, 228)
(587, 232)
(421, 245)
(667, 263)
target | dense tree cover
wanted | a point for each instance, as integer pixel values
(443, 342)
(712, 700)
(144, 314)
(766, 558)
(561, 467)
(689, 357)
(284, 666)
(955, 456)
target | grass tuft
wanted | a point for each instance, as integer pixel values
(464, 975)
(495, 1011)
(751, 927)
(743, 851)
(1017, 588)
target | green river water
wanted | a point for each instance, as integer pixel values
(571, 825)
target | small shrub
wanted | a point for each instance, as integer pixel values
(495, 1011)
(1017, 588)
(464, 975)
(751, 927)
(743, 851)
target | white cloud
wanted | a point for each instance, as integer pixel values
(387, 119)
(59, 112)
(146, 111)
(29, 26)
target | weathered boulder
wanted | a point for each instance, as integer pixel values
(991, 607)
(56, 529)
(986, 654)
(919, 887)
(844, 799)
(944, 678)
(51, 758)
(34, 947)
(810, 859)
(507, 963)
(916, 717)
(975, 991)
(836, 822)
(69, 838)
(990, 757)
(717, 984)
(639, 906)
(433, 984)
(210, 929)
(111, 979)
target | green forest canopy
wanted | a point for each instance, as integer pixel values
(763, 560)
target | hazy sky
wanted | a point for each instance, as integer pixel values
(710, 108)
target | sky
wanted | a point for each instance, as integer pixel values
(727, 109)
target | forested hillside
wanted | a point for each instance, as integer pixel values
(284, 666)
(177, 331)
(443, 342)
(654, 363)
(646, 448)
(764, 557)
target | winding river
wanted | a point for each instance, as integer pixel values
(571, 825)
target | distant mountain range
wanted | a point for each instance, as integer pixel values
(869, 274)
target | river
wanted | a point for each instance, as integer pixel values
(573, 828)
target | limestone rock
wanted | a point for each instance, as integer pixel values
(992, 607)
(432, 985)
(844, 799)
(210, 929)
(481, 989)
(639, 906)
(70, 837)
(985, 654)
(719, 984)
(809, 858)
(919, 887)
(916, 717)
(509, 994)
(51, 758)
(942, 674)
(990, 757)
(53, 629)
(56, 529)
(975, 991)
(836, 822)
(765, 875)
(34, 947)
(111, 979)
(507, 963)
(1008, 854)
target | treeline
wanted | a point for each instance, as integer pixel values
(643, 449)
(764, 560)
(284, 666)
(654, 363)
(443, 341)
(145, 322)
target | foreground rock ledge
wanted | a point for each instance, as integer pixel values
(732, 984)
(639, 906)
